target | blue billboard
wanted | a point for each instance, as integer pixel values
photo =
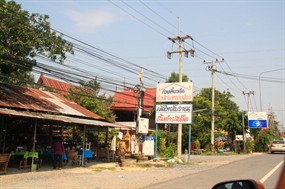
(257, 120)
(257, 123)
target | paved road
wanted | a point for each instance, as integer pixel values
(203, 172)
(255, 167)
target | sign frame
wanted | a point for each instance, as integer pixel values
(174, 113)
(174, 92)
(257, 120)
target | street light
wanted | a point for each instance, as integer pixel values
(260, 84)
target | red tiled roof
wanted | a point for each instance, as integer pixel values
(127, 100)
(55, 84)
(43, 101)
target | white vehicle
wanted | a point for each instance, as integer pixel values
(277, 146)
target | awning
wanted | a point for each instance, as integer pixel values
(58, 118)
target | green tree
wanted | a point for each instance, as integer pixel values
(23, 36)
(227, 115)
(87, 95)
(175, 78)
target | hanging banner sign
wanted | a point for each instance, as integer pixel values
(174, 92)
(174, 113)
(257, 119)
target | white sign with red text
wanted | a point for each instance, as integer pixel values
(174, 113)
(174, 92)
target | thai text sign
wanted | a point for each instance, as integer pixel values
(174, 92)
(257, 119)
(174, 113)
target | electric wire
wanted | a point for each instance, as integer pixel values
(155, 23)
(65, 35)
(194, 40)
(268, 79)
(158, 14)
(233, 89)
(230, 79)
(120, 59)
(137, 19)
(99, 49)
(61, 90)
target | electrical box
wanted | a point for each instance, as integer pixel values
(143, 126)
(239, 138)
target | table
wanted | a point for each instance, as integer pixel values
(48, 153)
(87, 153)
(25, 154)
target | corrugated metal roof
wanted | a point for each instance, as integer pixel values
(55, 84)
(59, 118)
(127, 100)
(43, 101)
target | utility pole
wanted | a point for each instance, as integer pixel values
(212, 69)
(248, 101)
(248, 98)
(243, 132)
(180, 40)
(140, 89)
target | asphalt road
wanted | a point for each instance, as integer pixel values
(256, 167)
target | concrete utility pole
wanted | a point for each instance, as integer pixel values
(180, 40)
(212, 68)
(140, 88)
(248, 98)
(248, 101)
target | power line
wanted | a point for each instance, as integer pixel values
(156, 74)
(231, 80)
(227, 84)
(158, 14)
(155, 23)
(137, 19)
(268, 79)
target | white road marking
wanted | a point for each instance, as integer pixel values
(271, 172)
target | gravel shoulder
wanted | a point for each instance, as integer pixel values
(109, 175)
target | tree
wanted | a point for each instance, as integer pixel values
(175, 78)
(87, 95)
(23, 36)
(227, 115)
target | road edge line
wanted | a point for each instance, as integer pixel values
(271, 172)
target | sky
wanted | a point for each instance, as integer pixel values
(249, 35)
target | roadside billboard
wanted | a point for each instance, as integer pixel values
(174, 92)
(257, 120)
(174, 113)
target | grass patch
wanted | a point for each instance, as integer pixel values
(170, 164)
(148, 165)
(209, 153)
(100, 169)
(190, 163)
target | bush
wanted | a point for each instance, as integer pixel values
(249, 145)
(170, 151)
(164, 150)
(197, 144)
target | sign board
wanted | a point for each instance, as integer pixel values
(143, 126)
(174, 113)
(257, 120)
(148, 146)
(174, 92)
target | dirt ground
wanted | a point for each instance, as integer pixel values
(108, 175)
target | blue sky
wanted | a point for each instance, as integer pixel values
(249, 35)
